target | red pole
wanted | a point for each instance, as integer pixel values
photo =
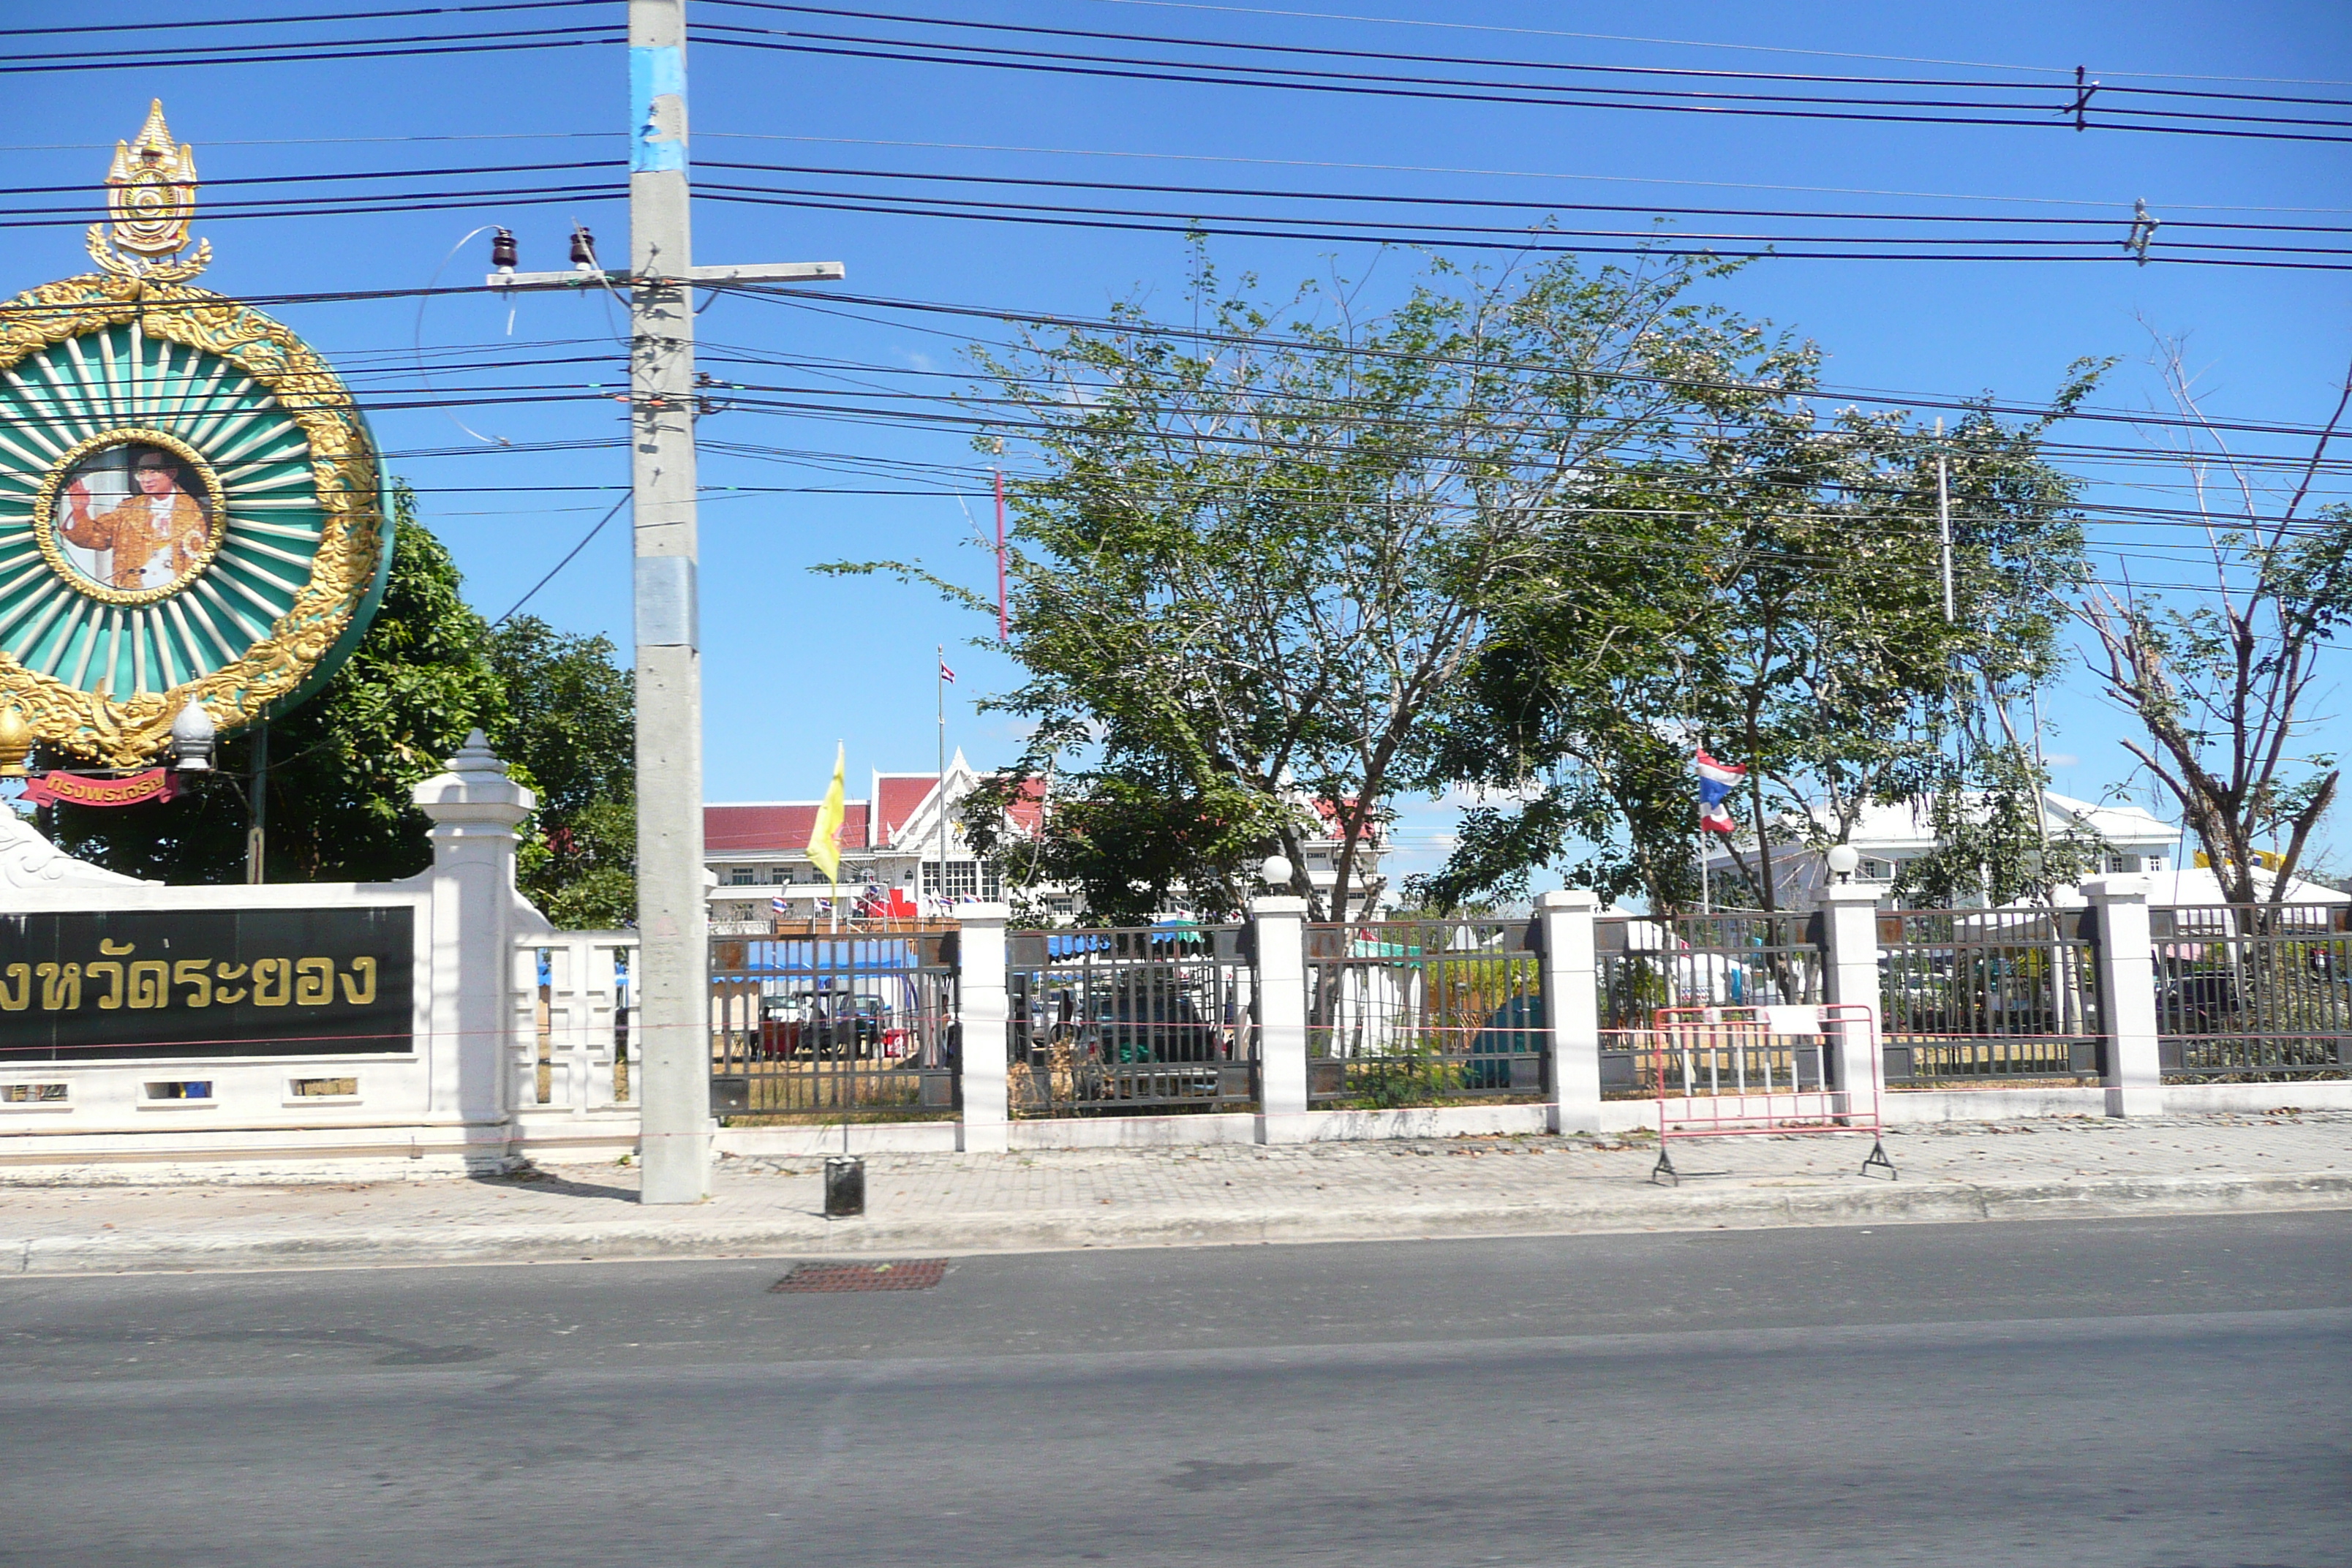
(1003, 629)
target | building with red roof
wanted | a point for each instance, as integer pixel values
(890, 846)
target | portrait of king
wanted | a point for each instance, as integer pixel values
(132, 521)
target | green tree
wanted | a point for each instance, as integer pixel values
(1770, 587)
(342, 766)
(1257, 557)
(569, 725)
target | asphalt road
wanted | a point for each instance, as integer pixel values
(2166, 1394)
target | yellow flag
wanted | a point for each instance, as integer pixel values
(821, 849)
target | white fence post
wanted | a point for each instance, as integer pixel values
(2132, 1078)
(1279, 928)
(1849, 971)
(475, 808)
(982, 1015)
(1571, 1008)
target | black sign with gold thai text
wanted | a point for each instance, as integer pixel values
(204, 982)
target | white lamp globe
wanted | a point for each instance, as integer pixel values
(193, 734)
(1275, 871)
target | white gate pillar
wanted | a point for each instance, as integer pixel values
(1850, 972)
(1571, 1008)
(2132, 1078)
(1279, 927)
(981, 1014)
(476, 915)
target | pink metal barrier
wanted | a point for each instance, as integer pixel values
(1732, 1072)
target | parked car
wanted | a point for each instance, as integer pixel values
(821, 1026)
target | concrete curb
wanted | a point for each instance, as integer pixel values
(800, 1234)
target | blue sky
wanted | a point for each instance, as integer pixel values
(794, 661)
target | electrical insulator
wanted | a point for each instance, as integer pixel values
(583, 249)
(502, 250)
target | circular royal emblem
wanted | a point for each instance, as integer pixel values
(190, 511)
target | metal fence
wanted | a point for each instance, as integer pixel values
(1967, 996)
(2254, 994)
(817, 1025)
(1740, 958)
(1123, 1020)
(1423, 1012)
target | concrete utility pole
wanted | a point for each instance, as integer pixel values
(673, 925)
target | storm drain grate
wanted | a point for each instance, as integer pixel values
(909, 1274)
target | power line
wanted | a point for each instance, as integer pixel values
(2120, 206)
(117, 30)
(1711, 100)
(285, 54)
(2060, 90)
(1689, 43)
(1526, 240)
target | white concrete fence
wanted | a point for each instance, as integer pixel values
(518, 1040)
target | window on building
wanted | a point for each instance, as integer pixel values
(992, 882)
(963, 879)
(742, 876)
(2122, 864)
(781, 877)
(1872, 870)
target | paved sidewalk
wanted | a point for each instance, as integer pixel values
(1211, 1195)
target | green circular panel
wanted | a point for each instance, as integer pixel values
(104, 585)
(189, 511)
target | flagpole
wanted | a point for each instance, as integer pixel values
(1004, 630)
(940, 791)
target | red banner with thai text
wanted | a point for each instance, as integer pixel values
(80, 789)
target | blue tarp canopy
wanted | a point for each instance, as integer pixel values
(829, 955)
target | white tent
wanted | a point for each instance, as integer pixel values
(2191, 885)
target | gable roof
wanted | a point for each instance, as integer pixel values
(771, 827)
(896, 797)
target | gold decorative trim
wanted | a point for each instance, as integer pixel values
(45, 514)
(129, 731)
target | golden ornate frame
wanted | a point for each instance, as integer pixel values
(129, 731)
(45, 513)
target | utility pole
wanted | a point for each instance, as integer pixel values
(673, 916)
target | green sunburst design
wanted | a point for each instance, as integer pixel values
(120, 379)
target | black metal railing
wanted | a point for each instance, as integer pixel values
(1127, 1020)
(2253, 994)
(1423, 1012)
(1970, 995)
(1738, 959)
(820, 1025)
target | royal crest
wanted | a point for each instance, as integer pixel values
(151, 197)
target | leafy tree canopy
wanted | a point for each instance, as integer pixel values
(1259, 548)
(1768, 585)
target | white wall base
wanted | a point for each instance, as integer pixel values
(2253, 1099)
(814, 1142)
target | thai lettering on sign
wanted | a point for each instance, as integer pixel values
(85, 986)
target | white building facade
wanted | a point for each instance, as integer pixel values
(1889, 838)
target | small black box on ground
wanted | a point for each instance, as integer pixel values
(844, 1188)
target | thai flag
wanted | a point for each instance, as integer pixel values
(1716, 780)
(778, 905)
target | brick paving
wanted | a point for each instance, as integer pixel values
(1099, 1197)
